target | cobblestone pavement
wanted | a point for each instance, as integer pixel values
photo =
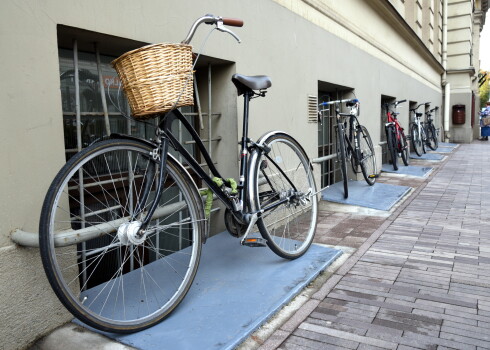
(420, 278)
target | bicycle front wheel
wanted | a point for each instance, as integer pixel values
(403, 148)
(391, 141)
(285, 189)
(342, 157)
(416, 138)
(103, 269)
(367, 158)
(432, 137)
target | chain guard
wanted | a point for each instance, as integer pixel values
(234, 227)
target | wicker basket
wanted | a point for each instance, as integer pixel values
(156, 78)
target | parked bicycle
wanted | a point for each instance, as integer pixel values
(395, 136)
(418, 135)
(122, 223)
(353, 143)
(423, 133)
(430, 130)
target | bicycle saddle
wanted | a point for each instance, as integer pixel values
(418, 114)
(246, 83)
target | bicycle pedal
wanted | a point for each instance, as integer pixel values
(373, 176)
(254, 242)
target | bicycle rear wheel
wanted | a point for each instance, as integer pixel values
(432, 137)
(392, 146)
(367, 156)
(285, 172)
(102, 271)
(403, 148)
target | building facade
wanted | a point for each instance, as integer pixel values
(313, 50)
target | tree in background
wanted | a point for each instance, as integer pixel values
(483, 81)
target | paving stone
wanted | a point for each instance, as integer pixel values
(369, 347)
(326, 339)
(300, 315)
(463, 339)
(348, 336)
(359, 330)
(275, 340)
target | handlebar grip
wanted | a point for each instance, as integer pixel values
(233, 22)
(401, 101)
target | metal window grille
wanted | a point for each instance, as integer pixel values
(92, 105)
(327, 156)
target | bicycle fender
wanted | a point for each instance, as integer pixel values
(254, 157)
(265, 136)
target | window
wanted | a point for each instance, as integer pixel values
(327, 137)
(92, 117)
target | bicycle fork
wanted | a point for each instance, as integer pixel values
(134, 231)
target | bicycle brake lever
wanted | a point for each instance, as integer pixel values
(222, 28)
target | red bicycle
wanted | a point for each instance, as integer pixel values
(395, 136)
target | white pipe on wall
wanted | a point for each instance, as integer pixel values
(445, 84)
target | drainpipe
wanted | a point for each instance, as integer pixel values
(445, 83)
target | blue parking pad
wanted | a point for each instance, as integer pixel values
(442, 150)
(379, 196)
(448, 145)
(412, 170)
(235, 291)
(427, 156)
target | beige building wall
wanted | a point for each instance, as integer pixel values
(465, 21)
(373, 47)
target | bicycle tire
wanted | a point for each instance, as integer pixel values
(115, 281)
(289, 228)
(391, 141)
(341, 155)
(403, 148)
(424, 138)
(353, 162)
(432, 141)
(367, 156)
(415, 137)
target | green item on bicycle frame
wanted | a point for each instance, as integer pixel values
(209, 193)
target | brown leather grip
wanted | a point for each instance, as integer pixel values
(233, 22)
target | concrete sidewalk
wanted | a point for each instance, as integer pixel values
(417, 277)
(422, 278)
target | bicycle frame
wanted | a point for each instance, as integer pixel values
(393, 120)
(239, 204)
(351, 149)
(428, 116)
(420, 124)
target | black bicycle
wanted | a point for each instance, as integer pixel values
(122, 223)
(353, 143)
(430, 130)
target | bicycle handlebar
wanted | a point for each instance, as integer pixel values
(232, 22)
(396, 103)
(354, 100)
(218, 21)
(425, 103)
(432, 110)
